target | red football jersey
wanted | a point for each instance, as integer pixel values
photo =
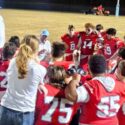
(121, 115)
(106, 95)
(111, 46)
(54, 109)
(45, 64)
(87, 46)
(103, 34)
(71, 43)
(3, 79)
(88, 43)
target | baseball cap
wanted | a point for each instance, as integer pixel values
(45, 32)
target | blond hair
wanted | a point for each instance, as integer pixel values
(89, 25)
(29, 47)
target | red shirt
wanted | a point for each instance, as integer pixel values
(54, 109)
(103, 33)
(3, 80)
(111, 46)
(88, 43)
(100, 8)
(71, 43)
(121, 115)
(103, 105)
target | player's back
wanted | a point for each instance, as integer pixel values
(54, 109)
(106, 97)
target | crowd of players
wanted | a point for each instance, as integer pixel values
(80, 80)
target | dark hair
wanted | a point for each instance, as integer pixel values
(58, 49)
(121, 65)
(8, 51)
(56, 75)
(111, 31)
(99, 27)
(71, 27)
(121, 52)
(15, 40)
(97, 64)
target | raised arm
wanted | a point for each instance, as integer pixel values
(75, 94)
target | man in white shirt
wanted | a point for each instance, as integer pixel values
(2, 32)
(44, 46)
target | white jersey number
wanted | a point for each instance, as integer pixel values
(72, 46)
(87, 44)
(108, 106)
(108, 50)
(62, 108)
(3, 83)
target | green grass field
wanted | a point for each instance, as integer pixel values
(22, 22)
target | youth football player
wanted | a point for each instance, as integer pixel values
(101, 97)
(54, 108)
(71, 40)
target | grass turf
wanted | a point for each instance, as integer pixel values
(22, 22)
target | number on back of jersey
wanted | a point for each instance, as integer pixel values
(61, 104)
(3, 79)
(108, 106)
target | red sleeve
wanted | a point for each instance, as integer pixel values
(44, 63)
(85, 78)
(63, 37)
(120, 43)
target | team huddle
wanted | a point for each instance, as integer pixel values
(78, 81)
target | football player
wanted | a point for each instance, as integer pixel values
(71, 40)
(101, 97)
(54, 108)
(8, 52)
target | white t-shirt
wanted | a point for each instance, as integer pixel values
(2, 32)
(21, 93)
(44, 49)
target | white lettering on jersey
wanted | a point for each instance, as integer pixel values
(87, 44)
(72, 46)
(108, 106)
(55, 103)
(3, 83)
(108, 50)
